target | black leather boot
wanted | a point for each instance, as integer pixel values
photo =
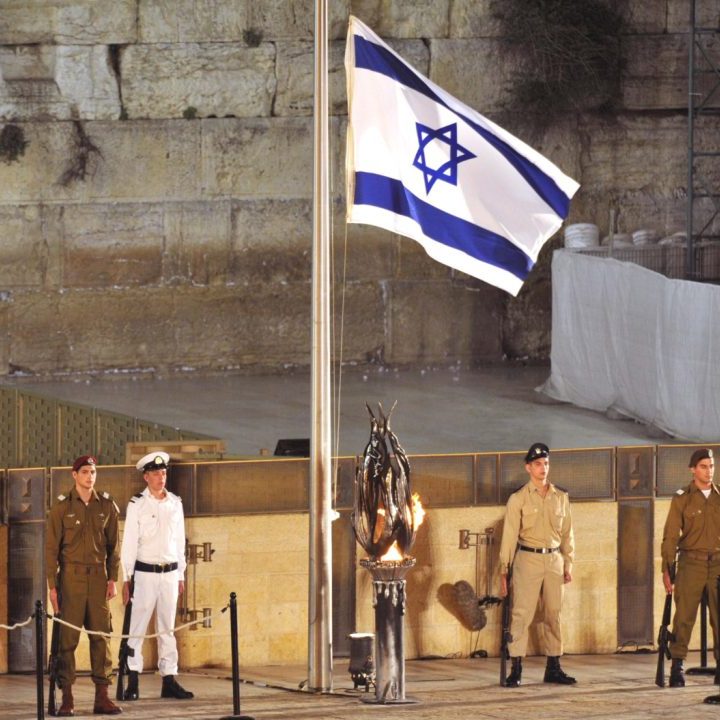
(677, 674)
(132, 691)
(515, 676)
(554, 673)
(171, 688)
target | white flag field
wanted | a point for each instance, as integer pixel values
(422, 164)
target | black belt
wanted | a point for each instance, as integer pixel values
(538, 550)
(161, 568)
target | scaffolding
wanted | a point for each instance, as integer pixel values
(703, 206)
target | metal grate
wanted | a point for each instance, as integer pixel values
(486, 487)
(76, 432)
(586, 474)
(635, 573)
(252, 486)
(152, 431)
(113, 432)
(443, 480)
(9, 439)
(38, 440)
(672, 467)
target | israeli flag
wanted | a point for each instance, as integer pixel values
(422, 164)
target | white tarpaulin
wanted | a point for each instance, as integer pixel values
(628, 339)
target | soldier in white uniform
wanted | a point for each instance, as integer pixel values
(153, 557)
(537, 543)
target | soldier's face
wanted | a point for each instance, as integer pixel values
(703, 472)
(538, 469)
(85, 477)
(156, 480)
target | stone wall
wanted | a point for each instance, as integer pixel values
(158, 209)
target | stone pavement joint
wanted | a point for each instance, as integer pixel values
(610, 687)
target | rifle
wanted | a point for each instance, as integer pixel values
(53, 663)
(125, 650)
(505, 637)
(664, 635)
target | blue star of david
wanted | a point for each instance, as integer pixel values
(448, 170)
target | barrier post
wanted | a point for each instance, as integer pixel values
(235, 663)
(39, 658)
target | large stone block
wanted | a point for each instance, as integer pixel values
(259, 158)
(475, 18)
(182, 21)
(707, 15)
(139, 160)
(645, 17)
(282, 19)
(115, 245)
(365, 322)
(271, 241)
(404, 18)
(23, 253)
(69, 22)
(198, 242)
(655, 73)
(477, 71)
(364, 252)
(223, 79)
(295, 74)
(441, 322)
(38, 82)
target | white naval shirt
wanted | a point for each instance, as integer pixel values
(154, 532)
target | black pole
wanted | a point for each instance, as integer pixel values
(39, 658)
(703, 669)
(235, 662)
(715, 699)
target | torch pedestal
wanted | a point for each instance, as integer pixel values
(388, 577)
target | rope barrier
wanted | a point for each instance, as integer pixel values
(111, 636)
(17, 624)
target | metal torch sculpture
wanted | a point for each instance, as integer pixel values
(385, 519)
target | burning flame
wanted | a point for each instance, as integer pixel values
(418, 515)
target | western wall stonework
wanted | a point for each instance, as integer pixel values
(156, 205)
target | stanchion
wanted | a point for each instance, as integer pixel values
(235, 663)
(715, 699)
(703, 669)
(39, 658)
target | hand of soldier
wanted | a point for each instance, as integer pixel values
(567, 577)
(111, 590)
(54, 601)
(126, 593)
(503, 585)
(667, 582)
(181, 587)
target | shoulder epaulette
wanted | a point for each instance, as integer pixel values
(680, 491)
(137, 495)
(517, 489)
(106, 495)
(62, 497)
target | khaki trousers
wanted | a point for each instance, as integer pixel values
(83, 590)
(692, 576)
(534, 573)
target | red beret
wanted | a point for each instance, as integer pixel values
(83, 460)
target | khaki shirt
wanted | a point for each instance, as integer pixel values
(537, 522)
(85, 534)
(693, 523)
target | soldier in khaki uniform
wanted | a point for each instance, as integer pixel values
(692, 530)
(537, 542)
(82, 562)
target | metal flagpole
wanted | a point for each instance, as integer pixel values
(320, 591)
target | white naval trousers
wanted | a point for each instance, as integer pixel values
(154, 592)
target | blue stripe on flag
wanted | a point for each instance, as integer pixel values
(370, 56)
(481, 244)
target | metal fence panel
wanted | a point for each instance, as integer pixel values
(443, 480)
(672, 467)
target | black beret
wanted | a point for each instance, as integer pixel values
(537, 451)
(700, 454)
